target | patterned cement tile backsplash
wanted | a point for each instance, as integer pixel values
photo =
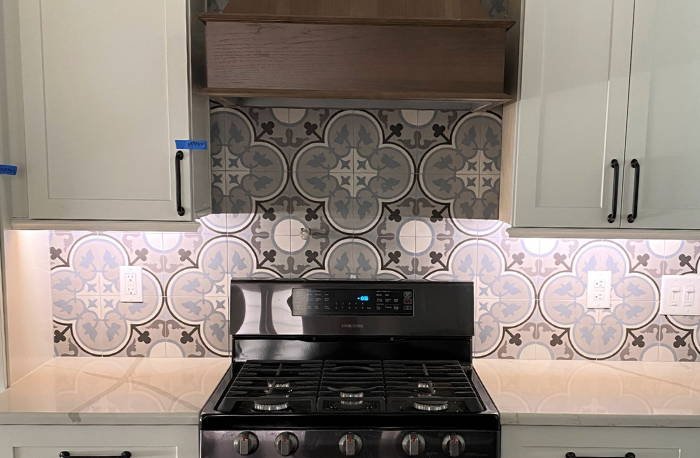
(385, 195)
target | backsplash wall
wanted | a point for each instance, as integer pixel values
(385, 195)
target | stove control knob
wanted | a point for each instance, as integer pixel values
(413, 444)
(350, 444)
(286, 444)
(453, 445)
(246, 443)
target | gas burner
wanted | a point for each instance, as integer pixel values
(351, 396)
(272, 406)
(430, 406)
(351, 392)
(351, 404)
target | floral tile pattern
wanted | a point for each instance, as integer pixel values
(375, 194)
(85, 295)
(365, 194)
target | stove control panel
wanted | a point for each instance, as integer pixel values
(352, 302)
(361, 443)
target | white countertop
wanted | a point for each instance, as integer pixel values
(132, 391)
(126, 391)
(591, 393)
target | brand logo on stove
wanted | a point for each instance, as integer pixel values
(352, 325)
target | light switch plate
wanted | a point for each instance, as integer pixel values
(598, 291)
(680, 295)
(130, 284)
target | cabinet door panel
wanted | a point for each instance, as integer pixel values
(572, 111)
(664, 112)
(143, 441)
(594, 441)
(591, 452)
(77, 452)
(106, 94)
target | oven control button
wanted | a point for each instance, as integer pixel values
(413, 444)
(246, 443)
(350, 444)
(453, 445)
(286, 444)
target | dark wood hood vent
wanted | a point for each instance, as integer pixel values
(356, 53)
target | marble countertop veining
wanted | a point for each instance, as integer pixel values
(593, 393)
(132, 391)
(126, 391)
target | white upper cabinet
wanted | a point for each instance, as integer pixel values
(572, 111)
(663, 132)
(604, 81)
(108, 88)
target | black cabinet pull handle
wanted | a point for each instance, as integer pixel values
(178, 183)
(123, 455)
(616, 184)
(637, 171)
(573, 455)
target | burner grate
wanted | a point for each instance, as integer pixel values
(429, 386)
(274, 386)
(367, 386)
(352, 379)
(352, 386)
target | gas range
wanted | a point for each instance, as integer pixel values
(373, 369)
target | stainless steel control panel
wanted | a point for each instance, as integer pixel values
(367, 308)
(352, 302)
(343, 443)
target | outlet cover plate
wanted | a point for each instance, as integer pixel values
(680, 295)
(130, 284)
(598, 291)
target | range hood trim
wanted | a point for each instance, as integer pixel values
(345, 95)
(257, 57)
(265, 100)
(396, 22)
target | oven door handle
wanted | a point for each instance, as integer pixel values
(125, 454)
(573, 455)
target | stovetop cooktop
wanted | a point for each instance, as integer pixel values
(348, 386)
(355, 368)
(349, 393)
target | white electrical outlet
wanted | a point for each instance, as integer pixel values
(599, 286)
(680, 295)
(131, 284)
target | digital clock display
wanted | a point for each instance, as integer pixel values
(363, 298)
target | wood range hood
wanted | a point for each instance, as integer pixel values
(356, 54)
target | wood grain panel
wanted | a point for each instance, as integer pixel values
(436, 62)
(408, 22)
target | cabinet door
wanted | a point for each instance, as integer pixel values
(143, 441)
(77, 452)
(106, 93)
(572, 111)
(592, 441)
(592, 452)
(664, 115)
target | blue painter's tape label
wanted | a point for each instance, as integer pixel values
(8, 169)
(191, 144)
